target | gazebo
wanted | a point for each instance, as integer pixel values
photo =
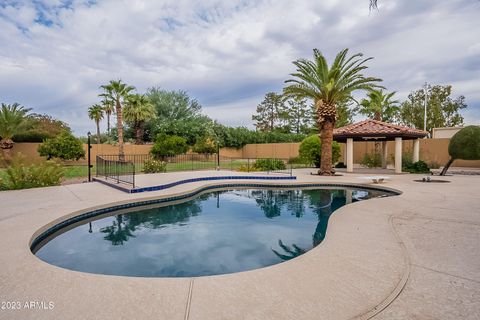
(377, 131)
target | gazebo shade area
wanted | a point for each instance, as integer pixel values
(377, 131)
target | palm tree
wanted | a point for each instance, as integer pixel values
(95, 113)
(13, 120)
(380, 106)
(117, 91)
(327, 86)
(138, 109)
(109, 109)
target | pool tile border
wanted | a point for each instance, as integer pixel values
(176, 183)
(96, 212)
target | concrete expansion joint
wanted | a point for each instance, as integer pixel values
(189, 299)
(400, 285)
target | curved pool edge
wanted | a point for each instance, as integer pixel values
(192, 293)
(77, 216)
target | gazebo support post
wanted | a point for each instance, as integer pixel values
(349, 155)
(398, 155)
(416, 150)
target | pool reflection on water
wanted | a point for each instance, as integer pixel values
(214, 233)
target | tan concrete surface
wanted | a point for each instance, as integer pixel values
(413, 256)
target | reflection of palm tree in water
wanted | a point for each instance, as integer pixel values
(290, 252)
(118, 232)
(321, 201)
(124, 225)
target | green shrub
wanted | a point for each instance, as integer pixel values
(296, 160)
(64, 146)
(465, 144)
(417, 167)
(244, 168)
(372, 160)
(205, 145)
(169, 146)
(310, 150)
(20, 176)
(269, 165)
(154, 166)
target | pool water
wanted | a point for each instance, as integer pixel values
(214, 233)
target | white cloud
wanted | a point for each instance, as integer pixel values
(227, 54)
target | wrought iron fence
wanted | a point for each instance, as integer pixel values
(117, 168)
(123, 169)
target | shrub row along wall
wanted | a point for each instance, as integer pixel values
(431, 150)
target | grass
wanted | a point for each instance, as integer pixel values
(81, 171)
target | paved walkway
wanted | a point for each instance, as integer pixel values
(413, 256)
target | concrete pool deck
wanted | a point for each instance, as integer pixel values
(412, 256)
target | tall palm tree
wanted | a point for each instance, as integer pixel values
(138, 109)
(327, 86)
(109, 109)
(380, 106)
(95, 113)
(13, 120)
(117, 91)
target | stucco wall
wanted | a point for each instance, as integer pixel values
(431, 150)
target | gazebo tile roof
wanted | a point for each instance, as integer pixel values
(372, 127)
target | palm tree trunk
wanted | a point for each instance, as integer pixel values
(6, 145)
(326, 136)
(138, 133)
(98, 131)
(121, 152)
(108, 124)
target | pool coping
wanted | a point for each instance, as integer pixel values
(362, 260)
(75, 217)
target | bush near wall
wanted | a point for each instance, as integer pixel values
(310, 151)
(21, 176)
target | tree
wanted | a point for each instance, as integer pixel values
(138, 109)
(442, 110)
(95, 113)
(177, 114)
(40, 127)
(345, 114)
(297, 115)
(309, 151)
(65, 147)
(117, 91)
(380, 106)
(328, 86)
(109, 108)
(268, 112)
(205, 145)
(13, 120)
(465, 144)
(169, 146)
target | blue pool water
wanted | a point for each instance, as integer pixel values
(214, 233)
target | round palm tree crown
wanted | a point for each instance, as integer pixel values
(328, 85)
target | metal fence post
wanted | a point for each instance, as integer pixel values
(89, 146)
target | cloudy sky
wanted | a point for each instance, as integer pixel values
(226, 53)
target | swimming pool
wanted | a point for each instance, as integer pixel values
(216, 232)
